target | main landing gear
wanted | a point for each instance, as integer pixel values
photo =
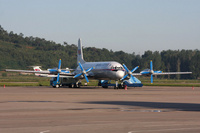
(119, 86)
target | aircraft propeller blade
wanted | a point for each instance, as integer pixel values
(129, 72)
(125, 68)
(151, 65)
(124, 77)
(151, 71)
(59, 64)
(158, 71)
(86, 78)
(77, 75)
(135, 69)
(58, 77)
(83, 72)
(81, 66)
(151, 78)
(89, 69)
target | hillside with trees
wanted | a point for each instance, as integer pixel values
(18, 52)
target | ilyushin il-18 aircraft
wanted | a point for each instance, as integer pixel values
(109, 70)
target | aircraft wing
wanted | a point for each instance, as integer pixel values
(39, 72)
(163, 73)
(27, 71)
(137, 74)
(170, 73)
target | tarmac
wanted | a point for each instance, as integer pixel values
(98, 110)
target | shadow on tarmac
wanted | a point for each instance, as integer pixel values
(157, 105)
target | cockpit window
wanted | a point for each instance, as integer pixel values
(116, 68)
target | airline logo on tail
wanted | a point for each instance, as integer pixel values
(37, 68)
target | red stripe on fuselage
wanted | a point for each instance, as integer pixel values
(109, 69)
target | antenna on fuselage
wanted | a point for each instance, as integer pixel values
(80, 52)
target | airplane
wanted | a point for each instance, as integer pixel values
(109, 70)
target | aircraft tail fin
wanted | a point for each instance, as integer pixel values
(37, 68)
(80, 53)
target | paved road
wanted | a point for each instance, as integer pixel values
(96, 110)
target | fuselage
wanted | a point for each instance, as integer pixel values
(103, 70)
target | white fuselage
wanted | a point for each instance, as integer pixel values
(103, 70)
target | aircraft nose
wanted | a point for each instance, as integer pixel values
(120, 74)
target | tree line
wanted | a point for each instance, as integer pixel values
(18, 52)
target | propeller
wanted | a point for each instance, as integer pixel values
(152, 71)
(57, 71)
(129, 72)
(83, 72)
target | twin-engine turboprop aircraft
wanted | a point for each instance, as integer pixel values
(109, 70)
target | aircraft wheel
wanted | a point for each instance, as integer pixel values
(78, 85)
(72, 85)
(57, 86)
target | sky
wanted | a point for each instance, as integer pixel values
(127, 25)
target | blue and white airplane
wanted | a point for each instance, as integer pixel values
(109, 70)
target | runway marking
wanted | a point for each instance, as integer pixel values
(45, 131)
(158, 130)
